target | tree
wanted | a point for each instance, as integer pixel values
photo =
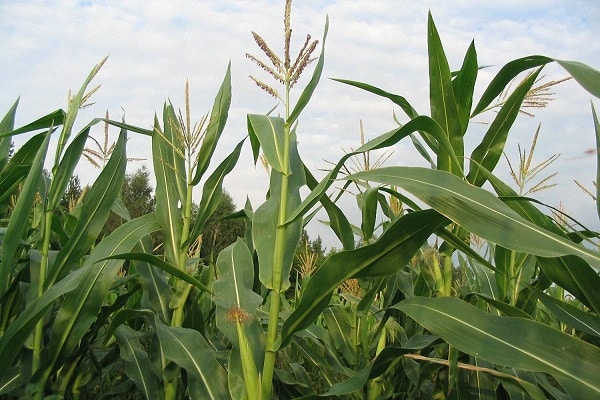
(136, 194)
(219, 233)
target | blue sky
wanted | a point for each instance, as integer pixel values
(154, 46)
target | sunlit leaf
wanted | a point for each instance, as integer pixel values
(478, 211)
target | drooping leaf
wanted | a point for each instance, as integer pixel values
(586, 76)
(338, 221)
(86, 280)
(569, 314)
(420, 123)
(216, 124)
(187, 348)
(597, 131)
(508, 341)
(478, 211)
(163, 265)
(384, 257)
(490, 150)
(137, 363)
(570, 272)
(506, 74)
(46, 122)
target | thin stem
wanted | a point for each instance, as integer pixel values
(280, 239)
(39, 327)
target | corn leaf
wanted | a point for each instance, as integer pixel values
(19, 220)
(386, 256)
(94, 211)
(489, 151)
(212, 191)
(569, 314)
(443, 105)
(270, 133)
(187, 348)
(390, 138)
(312, 84)
(463, 86)
(137, 363)
(216, 124)
(84, 280)
(478, 211)
(506, 74)
(586, 76)
(265, 222)
(508, 341)
(7, 124)
(168, 195)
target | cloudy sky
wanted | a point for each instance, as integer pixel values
(48, 47)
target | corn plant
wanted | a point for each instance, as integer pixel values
(509, 347)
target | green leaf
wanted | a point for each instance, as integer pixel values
(19, 220)
(212, 191)
(586, 76)
(506, 74)
(137, 363)
(63, 173)
(489, 151)
(478, 211)
(571, 273)
(216, 124)
(233, 289)
(513, 342)
(390, 138)
(463, 86)
(18, 167)
(312, 85)
(91, 280)
(368, 208)
(338, 221)
(569, 314)
(441, 99)
(6, 125)
(386, 256)
(396, 99)
(75, 104)
(270, 133)
(46, 122)
(597, 131)
(94, 211)
(265, 223)
(236, 307)
(187, 348)
(168, 197)
(163, 265)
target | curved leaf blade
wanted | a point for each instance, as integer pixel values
(478, 211)
(187, 348)
(270, 133)
(393, 249)
(514, 342)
